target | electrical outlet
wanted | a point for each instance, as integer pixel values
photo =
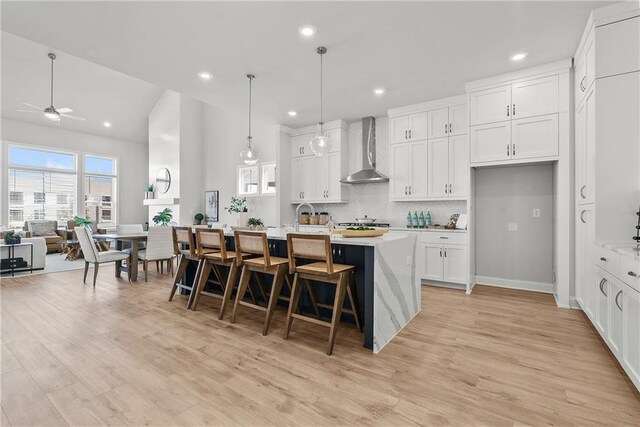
(408, 260)
(536, 213)
(512, 226)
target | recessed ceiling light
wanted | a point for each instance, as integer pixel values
(519, 56)
(205, 75)
(292, 113)
(307, 31)
(106, 124)
(378, 91)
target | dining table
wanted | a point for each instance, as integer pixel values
(134, 239)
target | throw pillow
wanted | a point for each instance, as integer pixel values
(43, 228)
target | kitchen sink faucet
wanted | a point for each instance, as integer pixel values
(297, 220)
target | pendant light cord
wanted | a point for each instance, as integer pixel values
(250, 80)
(51, 82)
(321, 121)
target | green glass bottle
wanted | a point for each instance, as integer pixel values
(428, 219)
(409, 221)
(415, 219)
(421, 220)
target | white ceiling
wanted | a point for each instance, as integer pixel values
(94, 92)
(417, 50)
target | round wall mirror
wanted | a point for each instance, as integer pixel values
(163, 180)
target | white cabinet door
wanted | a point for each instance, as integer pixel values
(618, 47)
(534, 137)
(418, 126)
(334, 188)
(418, 159)
(585, 232)
(322, 179)
(399, 129)
(631, 333)
(296, 180)
(534, 97)
(399, 171)
(296, 146)
(589, 63)
(438, 123)
(490, 105)
(456, 263)
(458, 166)
(490, 142)
(602, 302)
(438, 167)
(589, 191)
(615, 332)
(309, 178)
(581, 155)
(431, 262)
(458, 120)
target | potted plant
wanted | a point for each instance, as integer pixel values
(82, 222)
(256, 224)
(239, 206)
(149, 192)
(11, 237)
(163, 218)
(198, 219)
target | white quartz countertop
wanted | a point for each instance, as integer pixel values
(428, 230)
(624, 249)
(281, 234)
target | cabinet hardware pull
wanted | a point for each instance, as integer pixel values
(445, 128)
(405, 134)
(507, 110)
(450, 188)
(582, 217)
(508, 150)
(513, 149)
(603, 259)
(582, 191)
(409, 189)
(632, 274)
(443, 237)
(445, 189)
(583, 86)
(617, 303)
(513, 110)
(440, 253)
(405, 190)
(449, 127)
(445, 252)
(410, 133)
(602, 282)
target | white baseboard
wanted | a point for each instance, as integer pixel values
(524, 285)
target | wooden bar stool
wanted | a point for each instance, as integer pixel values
(251, 242)
(211, 249)
(183, 236)
(318, 247)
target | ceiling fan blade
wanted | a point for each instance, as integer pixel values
(64, 110)
(69, 116)
(29, 111)
(33, 106)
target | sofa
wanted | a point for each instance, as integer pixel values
(47, 229)
(39, 251)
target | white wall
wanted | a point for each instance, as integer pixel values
(373, 199)
(132, 162)
(508, 195)
(225, 136)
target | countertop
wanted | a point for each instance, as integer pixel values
(624, 249)
(281, 234)
(415, 230)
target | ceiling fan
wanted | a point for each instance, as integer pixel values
(51, 113)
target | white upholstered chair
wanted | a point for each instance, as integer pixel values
(92, 256)
(129, 228)
(159, 248)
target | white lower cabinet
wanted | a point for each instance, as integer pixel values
(444, 257)
(631, 333)
(602, 301)
(614, 311)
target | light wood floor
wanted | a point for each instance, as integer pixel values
(122, 354)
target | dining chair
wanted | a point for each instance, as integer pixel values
(92, 256)
(131, 229)
(159, 249)
(184, 248)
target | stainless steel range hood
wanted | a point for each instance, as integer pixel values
(368, 174)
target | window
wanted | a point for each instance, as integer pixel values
(42, 185)
(99, 182)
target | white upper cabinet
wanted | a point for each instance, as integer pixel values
(317, 179)
(618, 47)
(408, 171)
(585, 149)
(534, 137)
(458, 166)
(418, 126)
(438, 167)
(399, 129)
(490, 105)
(417, 162)
(585, 68)
(448, 167)
(438, 123)
(458, 120)
(491, 142)
(410, 127)
(399, 167)
(534, 97)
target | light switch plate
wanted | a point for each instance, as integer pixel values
(513, 226)
(536, 213)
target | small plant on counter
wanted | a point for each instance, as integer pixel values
(256, 223)
(163, 218)
(238, 204)
(82, 222)
(198, 218)
(149, 188)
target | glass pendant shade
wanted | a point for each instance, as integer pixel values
(320, 144)
(250, 156)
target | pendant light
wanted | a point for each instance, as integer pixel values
(250, 155)
(320, 144)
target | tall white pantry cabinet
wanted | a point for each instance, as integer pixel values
(607, 178)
